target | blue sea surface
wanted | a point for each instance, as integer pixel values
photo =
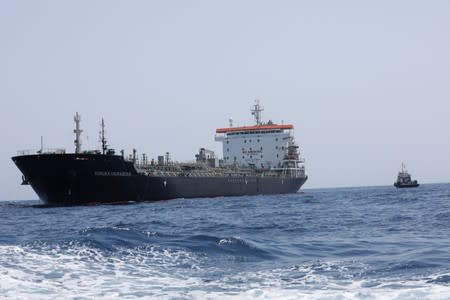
(347, 243)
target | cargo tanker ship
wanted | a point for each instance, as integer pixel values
(259, 159)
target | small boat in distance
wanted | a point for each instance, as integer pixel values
(404, 179)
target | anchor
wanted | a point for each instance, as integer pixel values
(24, 181)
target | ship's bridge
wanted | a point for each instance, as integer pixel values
(262, 146)
(254, 128)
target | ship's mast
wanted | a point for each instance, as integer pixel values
(103, 138)
(256, 111)
(77, 132)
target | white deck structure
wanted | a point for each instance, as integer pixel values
(263, 145)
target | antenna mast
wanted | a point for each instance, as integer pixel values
(103, 138)
(230, 120)
(256, 111)
(77, 132)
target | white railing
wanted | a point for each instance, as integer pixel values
(42, 151)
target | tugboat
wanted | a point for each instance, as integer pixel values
(404, 179)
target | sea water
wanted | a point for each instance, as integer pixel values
(348, 243)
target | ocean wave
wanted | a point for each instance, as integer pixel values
(229, 248)
(366, 243)
(443, 279)
(81, 272)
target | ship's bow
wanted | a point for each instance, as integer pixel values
(70, 179)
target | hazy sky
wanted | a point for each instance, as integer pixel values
(366, 83)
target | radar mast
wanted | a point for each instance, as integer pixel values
(256, 111)
(103, 138)
(77, 132)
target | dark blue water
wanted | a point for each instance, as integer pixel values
(356, 243)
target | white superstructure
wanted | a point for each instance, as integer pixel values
(263, 145)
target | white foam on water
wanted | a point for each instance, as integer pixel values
(86, 272)
(81, 272)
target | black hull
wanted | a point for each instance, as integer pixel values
(73, 179)
(402, 186)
